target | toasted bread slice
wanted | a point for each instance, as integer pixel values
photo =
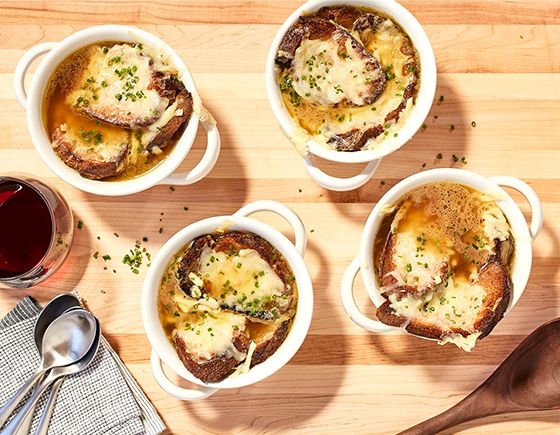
(315, 47)
(460, 312)
(91, 153)
(122, 86)
(350, 17)
(211, 343)
(215, 369)
(117, 86)
(406, 264)
(160, 133)
(268, 337)
(243, 272)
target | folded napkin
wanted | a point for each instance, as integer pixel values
(103, 399)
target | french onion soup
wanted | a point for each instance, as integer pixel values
(114, 110)
(226, 303)
(348, 76)
(443, 257)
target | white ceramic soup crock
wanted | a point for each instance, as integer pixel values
(522, 233)
(163, 351)
(423, 102)
(32, 102)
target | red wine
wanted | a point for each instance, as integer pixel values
(26, 227)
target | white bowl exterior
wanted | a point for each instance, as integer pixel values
(38, 133)
(522, 257)
(301, 321)
(424, 99)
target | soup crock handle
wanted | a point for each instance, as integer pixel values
(349, 304)
(175, 390)
(527, 191)
(339, 184)
(283, 211)
(22, 67)
(206, 164)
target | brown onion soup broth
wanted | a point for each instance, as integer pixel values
(445, 216)
(57, 111)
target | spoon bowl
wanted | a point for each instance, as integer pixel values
(52, 311)
(68, 339)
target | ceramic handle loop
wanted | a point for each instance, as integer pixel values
(339, 184)
(349, 303)
(283, 211)
(534, 202)
(176, 391)
(22, 67)
(206, 164)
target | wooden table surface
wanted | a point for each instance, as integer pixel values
(499, 65)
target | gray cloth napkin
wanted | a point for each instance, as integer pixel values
(103, 399)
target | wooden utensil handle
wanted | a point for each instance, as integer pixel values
(470, 408)
(435, 424)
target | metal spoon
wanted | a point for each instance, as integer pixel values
(66, 341)
(43, 426)
(52, 311)
(12, 428)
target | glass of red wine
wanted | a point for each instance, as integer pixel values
(36, 229)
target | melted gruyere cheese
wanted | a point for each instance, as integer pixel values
(323, 76)
(153, 129)
(115, 82)
(455, 304)
(107, 145)
(466, 343)
(244, 281)
(207, 332)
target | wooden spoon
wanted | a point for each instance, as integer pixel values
(528, 380)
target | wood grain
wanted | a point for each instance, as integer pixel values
(499, 65)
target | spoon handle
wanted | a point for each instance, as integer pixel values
(43, 427)
(480, 403)
(14, 426)
(11, 404)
